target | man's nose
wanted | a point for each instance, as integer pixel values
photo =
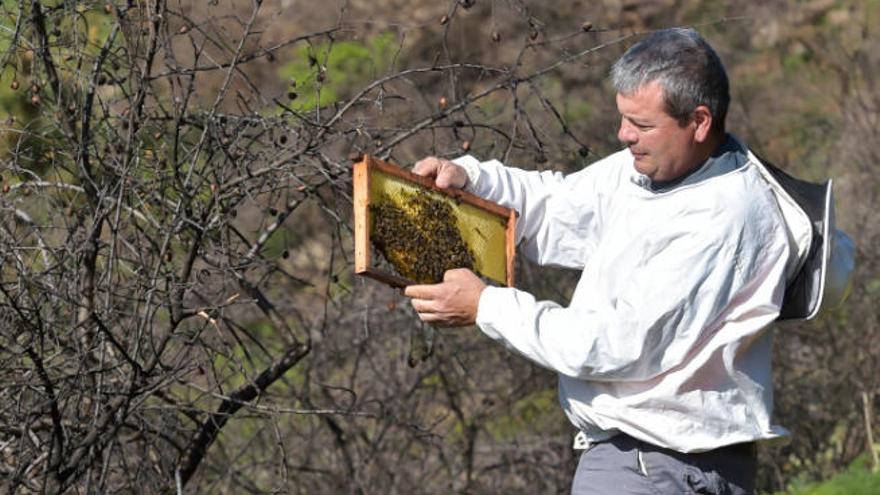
(626, 134)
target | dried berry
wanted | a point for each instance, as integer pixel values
(444, 20)
(443, 103)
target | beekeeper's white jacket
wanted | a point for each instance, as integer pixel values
(666, 337)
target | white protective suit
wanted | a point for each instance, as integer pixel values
(666, 337)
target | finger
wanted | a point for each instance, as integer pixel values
(424, 306)
(450, 175)
(422, 291)
(444, 179)
(457, 274)
(431, 318)
(427, 166)
(440, 320)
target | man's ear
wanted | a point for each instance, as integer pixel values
(703, 123)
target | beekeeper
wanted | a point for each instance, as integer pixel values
(686, 244)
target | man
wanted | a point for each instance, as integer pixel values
(663, 353)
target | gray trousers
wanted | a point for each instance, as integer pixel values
(623, 465)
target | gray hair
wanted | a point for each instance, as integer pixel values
(687, 68)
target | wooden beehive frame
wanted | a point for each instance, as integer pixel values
(363, 247)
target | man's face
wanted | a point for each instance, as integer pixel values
(663, 149)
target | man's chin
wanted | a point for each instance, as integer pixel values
(645, 168)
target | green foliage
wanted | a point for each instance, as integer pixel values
(797, 60)
(323, 74)
(578, 110)
(525, 415)
(240, 362)
(858, 479)
(75, 36)
(279, 243)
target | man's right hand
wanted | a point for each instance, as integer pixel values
(445, 173)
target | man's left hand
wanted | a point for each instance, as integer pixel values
(452, 303)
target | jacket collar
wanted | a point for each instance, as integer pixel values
(729, 156)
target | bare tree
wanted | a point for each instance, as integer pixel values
(175, 241)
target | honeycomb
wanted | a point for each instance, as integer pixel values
(422, 233)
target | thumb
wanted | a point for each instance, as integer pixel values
(450, 175)
(429, 166)
(455, 274)
(443, 181)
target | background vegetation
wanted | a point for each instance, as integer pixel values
(177, 306)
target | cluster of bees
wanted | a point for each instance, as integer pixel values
(419, 237)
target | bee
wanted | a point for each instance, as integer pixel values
(419, 237)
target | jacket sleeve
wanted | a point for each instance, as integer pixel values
(555, 225)
(687, 286)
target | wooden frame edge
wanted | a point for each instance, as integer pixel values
(427, 182)
(361, 200)
(510, 247)
(387, 278)
(361, 203)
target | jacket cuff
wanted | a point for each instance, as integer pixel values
(471, 166)
(493, 299)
